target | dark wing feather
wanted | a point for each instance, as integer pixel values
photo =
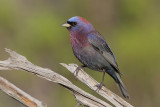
(98, 42)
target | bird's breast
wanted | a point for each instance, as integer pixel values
(86, 54)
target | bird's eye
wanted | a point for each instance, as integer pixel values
(72, 23)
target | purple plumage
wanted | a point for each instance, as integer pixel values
(92, 50)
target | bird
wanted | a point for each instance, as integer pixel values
(91, 49)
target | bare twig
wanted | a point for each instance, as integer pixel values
(90, 82)
(19, 62)
(19, 95)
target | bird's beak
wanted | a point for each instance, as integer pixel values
(66, 25)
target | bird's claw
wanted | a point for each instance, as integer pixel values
(77, 70)
(99, 86)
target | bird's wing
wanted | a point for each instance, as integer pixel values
(98, 42)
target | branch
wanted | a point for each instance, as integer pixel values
(19, 62)
(19, 95)
(90, 82)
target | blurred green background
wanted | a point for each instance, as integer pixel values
(131, 28)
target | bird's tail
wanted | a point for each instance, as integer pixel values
(121, 86)
(119, 82)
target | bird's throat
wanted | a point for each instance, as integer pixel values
(78, 39)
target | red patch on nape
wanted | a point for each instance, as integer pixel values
(83, 20)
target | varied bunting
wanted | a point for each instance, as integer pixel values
(92, 50)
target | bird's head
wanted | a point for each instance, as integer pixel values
(78, 24)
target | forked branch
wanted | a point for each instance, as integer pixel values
(19, 62)
(90, 82)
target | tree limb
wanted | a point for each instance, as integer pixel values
(19, 95)
(90, 82)
(19, 62)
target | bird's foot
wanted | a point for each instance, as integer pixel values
(99, 86)
(78, 69)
